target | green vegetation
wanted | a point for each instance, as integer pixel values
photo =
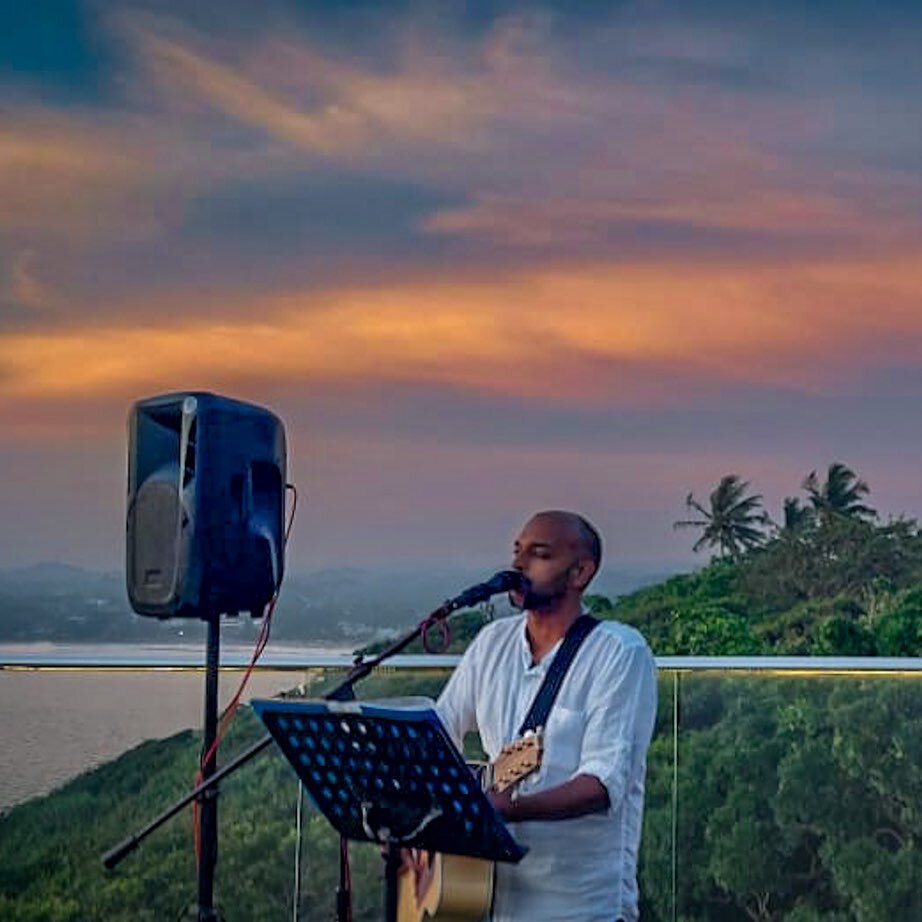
(797, 802)
(831, 580)
(797, 798)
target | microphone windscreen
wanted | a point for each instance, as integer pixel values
(509, 581)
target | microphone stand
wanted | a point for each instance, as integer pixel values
(344, 691)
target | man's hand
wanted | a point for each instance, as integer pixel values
(576, 797)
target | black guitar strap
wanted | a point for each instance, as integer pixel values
(540, 708)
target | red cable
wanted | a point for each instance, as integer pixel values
(444, 629)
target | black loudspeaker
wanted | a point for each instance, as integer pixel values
(206, 506)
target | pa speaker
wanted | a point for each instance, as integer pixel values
(206, 506)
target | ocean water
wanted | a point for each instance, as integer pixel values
(57, 723)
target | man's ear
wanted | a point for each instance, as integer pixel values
(581, 574)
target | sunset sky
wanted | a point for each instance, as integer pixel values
(583, 255)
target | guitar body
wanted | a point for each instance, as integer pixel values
(445, 888)
(433, 887)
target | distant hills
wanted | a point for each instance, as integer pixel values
(59, 603)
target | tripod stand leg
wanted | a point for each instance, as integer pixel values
(208, 827)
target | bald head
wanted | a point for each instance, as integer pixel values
(579, 530)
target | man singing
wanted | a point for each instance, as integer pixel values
(580, 815)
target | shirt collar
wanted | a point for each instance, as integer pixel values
(527, 659)
(525, 648)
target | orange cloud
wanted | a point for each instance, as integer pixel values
(519, 333)
(330, 106)
(231, 92)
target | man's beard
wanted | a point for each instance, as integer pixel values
(535, 600)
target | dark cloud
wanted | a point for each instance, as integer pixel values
(707, 417)
(51, 47)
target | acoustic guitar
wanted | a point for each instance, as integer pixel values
(455, 888)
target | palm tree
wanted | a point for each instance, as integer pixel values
(733, 523)
(796, 516)
(840, 495)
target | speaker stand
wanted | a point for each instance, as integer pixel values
(208, 800)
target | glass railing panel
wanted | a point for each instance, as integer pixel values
(657, 859)
(797, 799)
(118, 747)
(774, 796)
(57, 723)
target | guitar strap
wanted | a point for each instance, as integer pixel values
(540, 708)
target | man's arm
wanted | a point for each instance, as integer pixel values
(456, 705)
(618, 730)
(578, 796)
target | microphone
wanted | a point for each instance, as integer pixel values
(504, 581)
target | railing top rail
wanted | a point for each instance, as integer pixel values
(295, 660)
(791, 663)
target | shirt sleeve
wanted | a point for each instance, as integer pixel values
(620, 718)
(457, 705)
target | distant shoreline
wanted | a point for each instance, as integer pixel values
(38, 654)
(49, 646)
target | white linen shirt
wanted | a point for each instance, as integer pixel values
(582, 869)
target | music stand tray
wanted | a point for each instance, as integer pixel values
(388, 772)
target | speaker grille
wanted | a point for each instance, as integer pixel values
(154, 542)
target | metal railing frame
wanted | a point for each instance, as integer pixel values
(291, 661)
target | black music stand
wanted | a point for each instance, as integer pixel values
(388, 772)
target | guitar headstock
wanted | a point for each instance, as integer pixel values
(517, 761)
